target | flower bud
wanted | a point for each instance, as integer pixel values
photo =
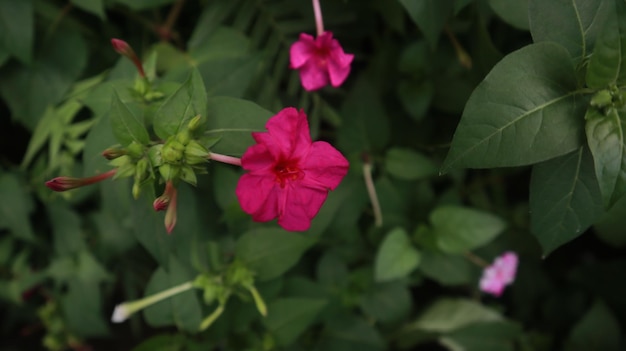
(67, 183)
(183, 137)
(136, 190)
(188, 175)
(113, 153)
(169, 171)
(141, 169)
(171, 155)
(122, 48)
(135, 150)
(602, 98)
(194, 123)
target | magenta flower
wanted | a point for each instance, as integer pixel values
(320, 60)
(500, 274)
(288, 176)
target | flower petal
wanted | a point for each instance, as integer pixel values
(312, 76)
(324, 166)
(288, 135)
(301, 51)
(258, 196)
(302, 204)
(257, 157)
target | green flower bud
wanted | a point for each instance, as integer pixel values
(121, 161)
(113, 153)
(194, 123)
(135, 149)
(141, 169)
(176, 145)
(188, 175)
(171, 155)
(183, 137)
(169, 171)
(154, 154)
(136, 190)
(195, 153)
(602, 98)
(124, 171)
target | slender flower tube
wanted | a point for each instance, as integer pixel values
(500, 274)
(319, 21)
(225, 159)
(122, 48)
(126, 309)
(68, 183)
(288, 175)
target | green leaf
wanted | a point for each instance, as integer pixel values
(233, 120)
(459, 229)
(572, 24)
(162, 342)
(447, 315)
(144, 4)
(513, 12)
(331, 270)
(16, 207)
(447, 269)
(607, 64)
(524, 112)
(66, 229)
(271, 252)
(598, 329)
(98, 139)
(127, 127)
(483, 336)
(408, 164)
(605, 136)
(387, 302)
(82, 310)
(289, 317)
(565, 198)
(396, 257)
(416, 97)
(610, 226)
(187, 102)
(430, 16)
(17, 28)
(95, 7)
(149, 229)
(349, 333)
(29, 90)
(182, 310)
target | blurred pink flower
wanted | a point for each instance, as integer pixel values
(320, 60)
(500, 274)
(288, 176)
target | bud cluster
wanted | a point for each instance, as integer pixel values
(608, 99)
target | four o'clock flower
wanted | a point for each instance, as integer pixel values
(122, 48)
(320, 60)
(68, 183)
(288, 175)
(500, 274)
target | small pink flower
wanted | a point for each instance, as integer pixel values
(68, 183)
(320, 60)
(288, 176)
(500, 274)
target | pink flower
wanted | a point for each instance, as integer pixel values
(500, 274)
(319, 60)
(288, 176)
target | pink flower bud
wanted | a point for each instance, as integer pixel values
(122, 48)
(500, 274)
(68, 183)
(167, 201)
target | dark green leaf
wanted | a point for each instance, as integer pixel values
(513, 12)
(349, 333)
(447, 269)
(163, 342)
(607, 64)
(572, 24)
(598, 329)
(182, 310)
(233, 120)
(93, 6)
(447, 315)
(16, 207)
(524, 112)
(459, 229)
(430, 16)
(127, 127)
(387, 302)
(416, 97)
(29, 90)
(144, 4)
(331, 270)
(564, 198)
(610, 227)
(271, 252)
(396, 257)
(408, 164)
(98, 139)
(66, 229)
(287, 318)
(483, 336)
(17, 28)
(82, 309)
(149, 229)
(187, 102)
(605, 136)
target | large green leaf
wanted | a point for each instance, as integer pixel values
(524, 112)
(233, 120)
(98, 139)
(574, 24)
(605, 136)
(187, 102)
(29, 90)
(483, 336)
(459, 229)
(95, 7)
(271, 252)
(396, 257)
(607, 64)
(66, 229)
(598, 329)
(446, 315)
(16, 207)
(127, 126)
(288, 317)
(564, 198)
(82, 308)
(182, 310)
(430, 16)
(513, 12)
(447, 269)
(17, 28)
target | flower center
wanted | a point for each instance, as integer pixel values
(321, 54)
(286, 172)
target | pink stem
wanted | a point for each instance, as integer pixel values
(225, 159)
(319, 22)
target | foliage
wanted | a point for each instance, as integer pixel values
(451, 111)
